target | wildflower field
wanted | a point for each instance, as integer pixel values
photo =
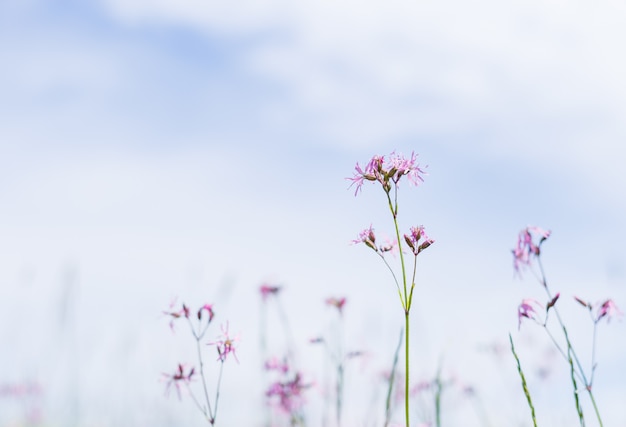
(322, 214)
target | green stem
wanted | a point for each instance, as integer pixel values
(524, 385)
(392, 381)
(579, 410)
(395, 223)
(406, 357)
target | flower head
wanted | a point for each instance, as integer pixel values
(177, 378)
(414, 237)
(176, 314)
(225, 345)
(368, 237)
(209, 309)
(527, 309)
(388, 172)
(528, 246)
(609, 310)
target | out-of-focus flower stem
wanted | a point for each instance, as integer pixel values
(524, 385)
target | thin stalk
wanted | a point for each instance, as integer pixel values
(339, 392)
(217, 391)
(438, 390)
(405, 304)
(570, 348)
(524, 385)
(395, 223)
(206, 393)
(392, 377)
(406, 378)
(579, 410)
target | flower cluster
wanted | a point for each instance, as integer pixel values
(388, 172)
(413, 240)
(416, 239)
(526, 247)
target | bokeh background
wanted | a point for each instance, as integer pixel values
(197, 149)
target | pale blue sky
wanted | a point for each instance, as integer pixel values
(198, 149)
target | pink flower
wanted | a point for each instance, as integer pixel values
(609, 310)
(526, 247)
(368, 237)
(267, 290)
(274, 364)
(391, 246)
(527, 310)
(337, 303)
(225, 345)
(384, 172)
(358, 179)
(183, 312)
(408, 167)
(289, 394)
(177, 378)
(413, 239)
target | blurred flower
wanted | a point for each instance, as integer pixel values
(177, 378)
(289, 394)
(583, 303)
(391, 245)
(183, 312)
(553, 301)
(209, 309)
(526, 247)
(608, 309)
(274, 364)
(527, 310)
(225, 345)
(267, 290)
(337, 303)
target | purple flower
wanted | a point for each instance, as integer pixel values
(527, 247)
(413, 239)
(527, 309)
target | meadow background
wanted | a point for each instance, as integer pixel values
(200, 148)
